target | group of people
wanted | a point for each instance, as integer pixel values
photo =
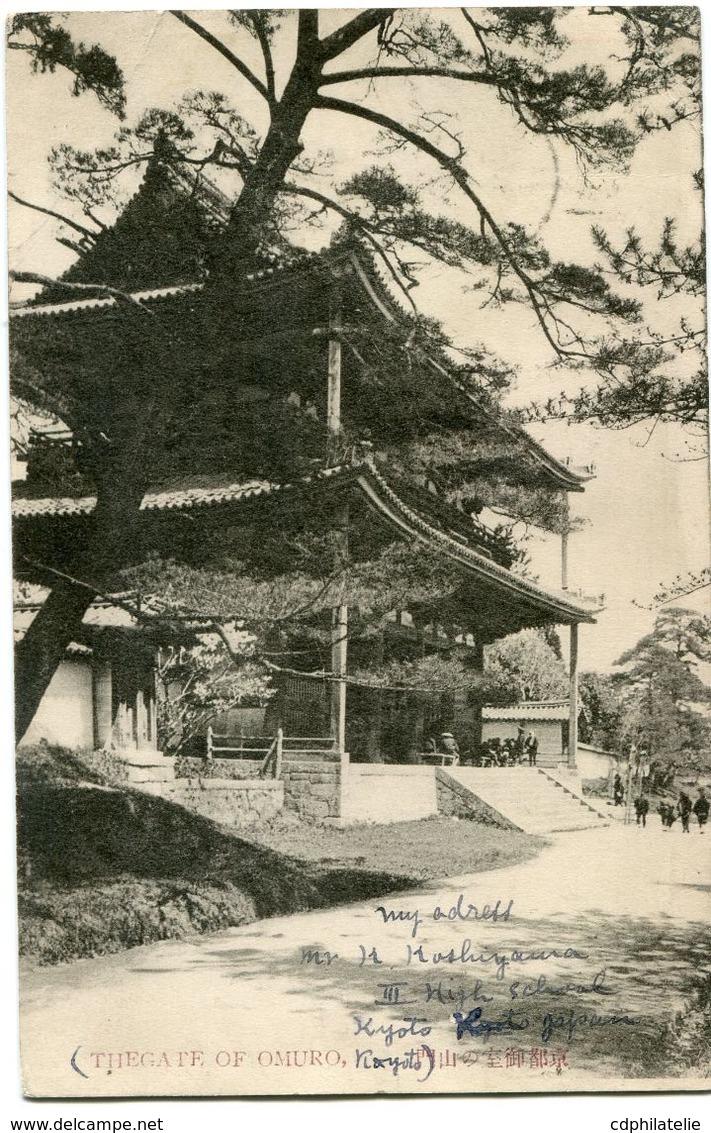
(667, 809)
(510, 752)
(683, 809)
(493, 753)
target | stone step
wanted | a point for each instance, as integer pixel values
(146, 766)
(529, 798)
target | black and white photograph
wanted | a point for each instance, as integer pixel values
(360, 551)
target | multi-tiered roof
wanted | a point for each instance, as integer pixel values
(265, 343)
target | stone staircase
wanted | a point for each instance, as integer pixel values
(524, 797)
(376, 792)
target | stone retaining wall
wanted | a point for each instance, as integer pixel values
(453, 799)
(191, 767)
(224, 800)
(313, 790)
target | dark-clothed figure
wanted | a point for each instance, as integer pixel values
(701, 809)
(641, 809)
(667, 814)
(449, 746)
(684, 809)
(618, 791)
(519, 745)
(492, 752)
(532, 748)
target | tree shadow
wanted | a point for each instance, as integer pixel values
(612, 1011)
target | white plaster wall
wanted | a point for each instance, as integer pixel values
(593, 764)
(65, 715)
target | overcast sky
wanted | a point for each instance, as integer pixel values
(648, 507)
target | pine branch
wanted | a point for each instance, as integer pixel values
(257, 19)
(408, 72)
(345, 37)
(57, 215)
(360, 224)
(453, 166)
(223, 50)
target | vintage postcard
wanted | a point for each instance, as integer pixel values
(360, 544)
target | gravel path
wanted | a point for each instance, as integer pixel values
(566, 971)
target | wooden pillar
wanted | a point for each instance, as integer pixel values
(373, 700)
(333, 401)
(573, 717)
(101, 682)
(339, 652)
(478, 726)
(125, 737)
(141, 720)
(564, 543)
(153, 710)
(339, 614)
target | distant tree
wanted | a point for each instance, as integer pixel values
(665, 703)
(601, 711)
(529, 663)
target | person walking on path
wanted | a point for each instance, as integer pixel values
(618, 791)
(684, 809)
(641, 809)
(701, 809)
(667, 814)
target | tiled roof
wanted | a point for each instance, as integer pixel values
(156, 294)
(529, 710)
(485, 567)
(106, 302)
(376, 490)
(383, 295)
(100, 615)
(168, 499)
(180, 498)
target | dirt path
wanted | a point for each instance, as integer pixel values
(572, 974)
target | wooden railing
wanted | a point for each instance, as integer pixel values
(269, 750)
(440, 758)
(271, 765)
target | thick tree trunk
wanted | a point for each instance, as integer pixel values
(281, 147)
(107, 548)
(119, 496)
(44, 645)
(40, 652)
